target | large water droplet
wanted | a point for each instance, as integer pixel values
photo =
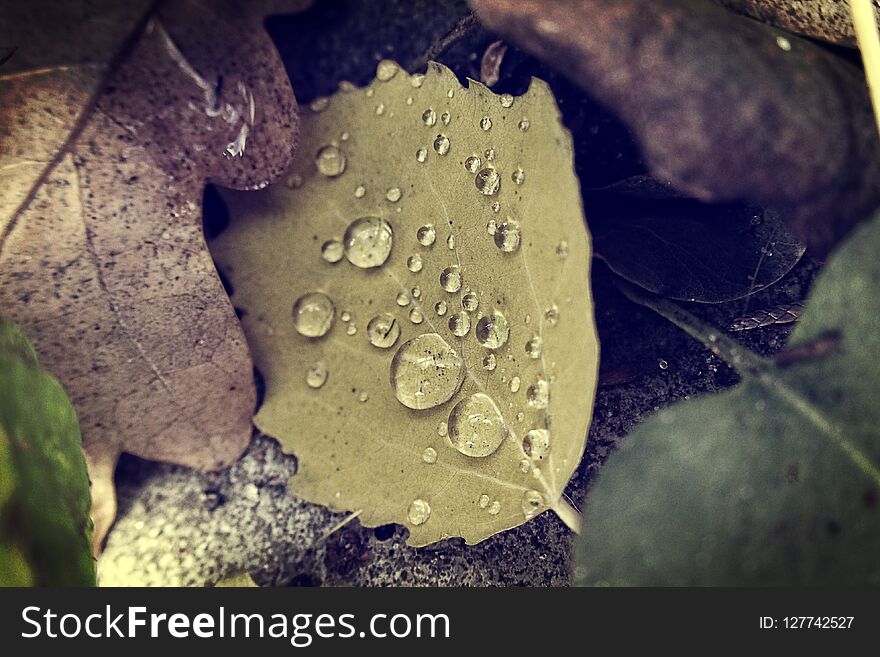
(538, 394)
(459, 324)
(488, 181)
(386, 69)
(367, 242)
(508, 236)
(383, 330)
(330, 161)
(416, 316)
(402, 299)
(316, 375)
(441, 144)
(313, 314)
(475, 426)
(419, 512)
(536, 444)
(492, 330)
(332, 251)
(414, 263)
(532, 504)
(472, 164)
(450, 279)
(426, 372)
(426, 235)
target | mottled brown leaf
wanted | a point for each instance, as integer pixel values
(112, 118)
(726, 108)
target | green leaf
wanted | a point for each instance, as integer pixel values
(774, 482)
(45, 530)
(402, 417)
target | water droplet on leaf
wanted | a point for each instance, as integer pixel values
(330, 161)
(383, 331)
(475, 426)
(419, 512)
(313, 314)
(492, 330)
(367, 242)
(426, 372)
(450, 279)
(316, 375)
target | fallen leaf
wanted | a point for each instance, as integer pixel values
(828, 20)
(688, 250)
(45, 532)
(775, 482)
(726, 108)
(490, 63)
(431, 220)
(102, 256)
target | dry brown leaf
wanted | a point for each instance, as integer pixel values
(102, 256)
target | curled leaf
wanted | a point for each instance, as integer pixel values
(418, 301)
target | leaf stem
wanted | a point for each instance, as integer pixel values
(568, 514)
(865, 24)
(743, 360)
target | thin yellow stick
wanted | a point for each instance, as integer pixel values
(868, 37)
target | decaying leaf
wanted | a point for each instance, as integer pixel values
(725, 107)
(102, 257)
(684, 249)
(775, 482)
(418, 300)
(45, 532)
(822, 19)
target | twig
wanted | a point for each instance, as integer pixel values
(459, 30)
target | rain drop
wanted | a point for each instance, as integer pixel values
(359, 191)
(421, 155)
(484, 501)
(551, 315)
(426, 372)
(488, 181)
(320, 104)
(562, 249)
(380, 109)
(532, 504)
(415, 316)
(472, 164)
(393, 194)
(506, 100)
(429, 117)
(518, 176)
(442, 429)
(386, 69)
(446, 118)
(416, 292)
(450, 279)
(332, 251)
(417, 80)
(514, 384)
(492, 330)
(313, 314)
(535, 347)
(351, 329)
(486, 123)
(441, 144)
(429, 455)
(490, 154)
(316, 375)
(450, 242)
(538, 394)
(367, 242)
(524, 124)
(414, 263)
(419, 512)
(426, 235)
(470, 302)
(496, 207)
(491, 226)
(476, 427)
(440, 308)
(489, 362)
(508, 236)
(383, 330)
(536, 444)
(495, 508)
(330, 161)
(459, 324)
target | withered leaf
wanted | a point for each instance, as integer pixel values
(725, 107)
(112, 118)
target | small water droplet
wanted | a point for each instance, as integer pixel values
(330, 161)
(508, 236)
(419, 512)
(446, 118)
(476, 427)
(402, 299)
(486, 123)
(319, 104)
(344, 136)
(496, 207)
(536, 444)
(495, 508)
(450, 279)
(459, 324)
(492, 330)
(383, 330)
(441, 144)
(535, 347)
(294, 181)
(538, 394)
(332, 251)
(506, 100)
(518, 176)
(524, 124)
(416, 292)
(429, 117)
(450, 93)
(421, 155)
(316, 375)
(470, 302)
(429, 455)
(562, 249)
(484, 501)
(367, 242)
(488, 181)
(426, 235)
(491, 227)
(442, 429)
(472, 164)
(313, 314)
(489, 362)
(359, 191)
(514, 384)
(370, 91)
(450, 242)
(783, 43)
(663, 364)
(524, 466)
(363, 397)
(380, 109)
(426, 372)
(386, 69)
(393, 194)
(532, 504)
(351, 329)
(490, 154)
(414, 263)
(416, 316)
(345, 316)
(551, 315)
(417, 80)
